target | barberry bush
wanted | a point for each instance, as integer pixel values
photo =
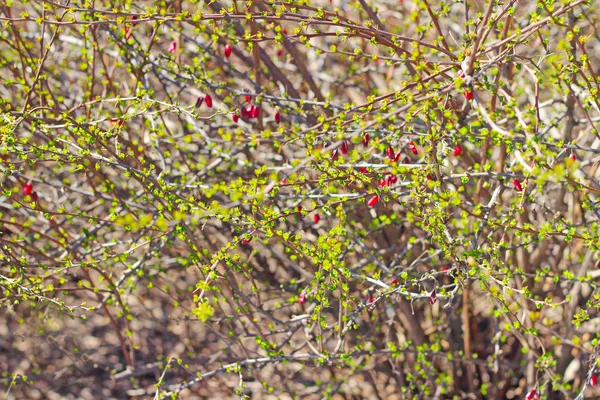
(299, 199)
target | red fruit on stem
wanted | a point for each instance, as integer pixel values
(302, 298)
(277, 118)
(255, 112)
(370, 298)
(391, 153)
(316, 218)
(469, 94)
(284, 31)
(299, 209)
(373, 201)
(344, 147)
(245, 241)
(28, 188)
(279, 52)
(573, 156)
(283, 181)
(235, 118)
(117, 121)
(429, 177)
(397, 158)
(394, 282)
(457, 150)
(247, 98)
(208, 101)
(245, 113)
(532, 395)
(432, 297)
(363, 170)
(383, 182)
(228, 49)
(366, 139)
(128, 32)
(445, 268)
(34, 197)
(393, 179)
(517, 185)
(334, 154)
(413, 148)
(593, 380)
(173, 47)
(199, 101)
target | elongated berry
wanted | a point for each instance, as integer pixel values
(208, 101)
(413, 148)
(373, 201)
(391, 153)
(573, 156)
(277, 118)
(173, 47)
(28, 188)
(199, 101)
(245, 241)
(34, 197)
(279, 52)
(235, 118)
(228, 50)
(316, 218)
(366, 140)
(517, 185)
(393, 179)
(362, 170)
(344, 147)
(383, 182)
(457, 150)
(302, 298)
(255, 112)
(593, 380)
(432, 297)
(334, 154)
(247, 98)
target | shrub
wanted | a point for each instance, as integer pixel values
(299, 199)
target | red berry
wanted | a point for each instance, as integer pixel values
(344, 147)
(277, 118)
(517, 185)
(593, 380)
(383, 182)
(245, 241)
(362, 170)
(246, 113)
(370, 298)
(573, 156)
(28, 188)
(199, 101)
(284, 31)
(255, 112)
(279, 52)
(391, 153)
(532, 395)
(284, 181)
(247, 98)
(413, 148)
(469, 94)
(429, 177)
(208, 101)
(373, 201)
(117, 121)
(334, 154)
(432, 297)
(457, 150)
(366, 139)
(228, 50)
(128, 32)
(299, 208)
(235, 118)
(34, 197)
(316, 218)
(394, 282)
(302, 298)
(173, 47)
(393, 179)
